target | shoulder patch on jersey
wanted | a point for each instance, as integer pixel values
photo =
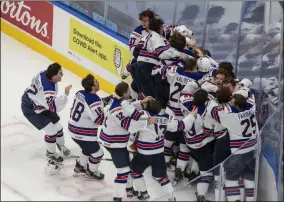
(115, 106)
(138, 30)
(91, 99)
(231, 109)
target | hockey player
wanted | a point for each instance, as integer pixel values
(221, 148)
(228, 67)
(190, 39)
(162, 86)
(190, 88)
(150, 148)
(135, 45)
(40, 105)
(200, 142)
(243, 140)
(140, 31)
(115, 135)
(85, 117)
(178, 77)
(220, 75)
(155, 47)
(244, 84)
(205, 67)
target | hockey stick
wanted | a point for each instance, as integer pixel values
(75, 157)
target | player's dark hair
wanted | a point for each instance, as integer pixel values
(189, 63)
(222, 71)
(240, 101)
(88, 82)
(223, 95)
(154, 106)
(200, 97)
(178, 41)
(230, 80)
(52, 70)
(147, 13)
(226, 65)
(156, 24)
(121, 89)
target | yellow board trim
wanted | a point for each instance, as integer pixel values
(47, 51)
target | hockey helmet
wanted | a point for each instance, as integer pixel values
(203, 64)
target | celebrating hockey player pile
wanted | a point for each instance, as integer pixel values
(179, 96)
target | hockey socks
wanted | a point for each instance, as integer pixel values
(120, 182)
(183, 156)
(218, 188)
(249, 189)
(139, 181)
(95, 159)
(232, 190)
(166, 186)
(203, 184)
(168, 150)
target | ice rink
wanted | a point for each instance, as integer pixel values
(23, 147)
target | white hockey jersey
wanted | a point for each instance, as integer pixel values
(156, 47)
(86, 116)
(135, 38)
(211, 126)
(199, 135)
(151, 140)
(43, 94)
(115, 132)
(241, 125)
(177, 78)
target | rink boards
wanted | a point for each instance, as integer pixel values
(72, 41)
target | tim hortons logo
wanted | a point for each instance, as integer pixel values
(32, 17)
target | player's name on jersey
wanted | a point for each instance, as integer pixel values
(162, 121)
(246, 114)
(184, 79)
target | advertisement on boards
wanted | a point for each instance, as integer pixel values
(97, 48)
(33, 17)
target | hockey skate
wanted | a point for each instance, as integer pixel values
(178, 176)
(115, 199)
(191, 176)
(64, 150)
(143, 196)
(172, 199)
(130, 192)
(52, 168)
(201, 198)
(79, 170)
(94, 175)
(54, 157)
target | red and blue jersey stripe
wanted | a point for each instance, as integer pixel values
(114, 138)
(83, 131)
(150, 145)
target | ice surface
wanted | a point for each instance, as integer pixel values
(23, 148)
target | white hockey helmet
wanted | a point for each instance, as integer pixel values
(203, 64)
(190, 88)
(183, 30)
(246, 83)
(243, 92)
